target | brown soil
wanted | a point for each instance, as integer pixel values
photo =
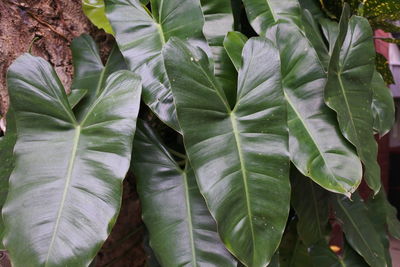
(49, 27)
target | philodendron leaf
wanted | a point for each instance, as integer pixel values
(233, 44)
(348, 90)
(65, 190)
(218, 22)
(311, 203)
(262, 14)
(359, 231)
(383, 108)
(141, 36)
(322, 256)
(317, 148)
(76, 96)
(239, 155)
(94, 10)
(89, 71)
(170, 199)
(7, 143)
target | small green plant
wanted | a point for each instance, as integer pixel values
(248, 150)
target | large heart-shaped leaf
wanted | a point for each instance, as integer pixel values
(348, 90)
(7, 143)
(170, 199)
(90, 73)
(141, 36)
(239, 156)
(383, 108)
(359, 231)
(65, 189)
(316, 145)
(311, 205)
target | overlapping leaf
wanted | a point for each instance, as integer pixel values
(316, 145)
(141, 36)
(239, 156)
(94, 10)
(360, 233)
(90, 73)
(65, 189)
(383, 109)
(311, 205)
(182, 231)
(348, 90)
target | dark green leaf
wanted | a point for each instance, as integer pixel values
(382, 66)
(322, 256)
(141, 37)
(239, 156)
(292, 251)
(76, 96)
(316, 145)
(182, 231)
(233, 44)
(348, 90)
(330, 28)
(383, 108)
(359, 231)
(263, 14)
(89, 71)
(65, 190)
(311, 205)
(94, 10)
(7, 143)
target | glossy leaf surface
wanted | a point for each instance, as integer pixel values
(76, 96)
(383, 109)
(233, 44)
(348, 90)
(359, 231)
(142, 35)
(94, 10)
(182, 231)
(65, 190)
(89, 71)
(310, 202)
(262, 14)
(317, 148)
(7, 143)
(239, 156)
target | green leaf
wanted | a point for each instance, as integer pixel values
(239, 156)
(90, 72)
(76, 96)
(262, 14)
(191, 238)
(359, 231)
(383, 108)
(292, 251)
(314, 7)
(7, 143)
(65, 190)
(381, 205)
(382, 66)
(94, 10)
(330, 28)
(311, 205)
(233, 44)
(317, 148)
(218, 22)
(348, 90)
(323, 256)
(141, 37)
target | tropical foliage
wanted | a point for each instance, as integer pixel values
(247, 151)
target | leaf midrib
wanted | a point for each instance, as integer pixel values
(66, 189)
